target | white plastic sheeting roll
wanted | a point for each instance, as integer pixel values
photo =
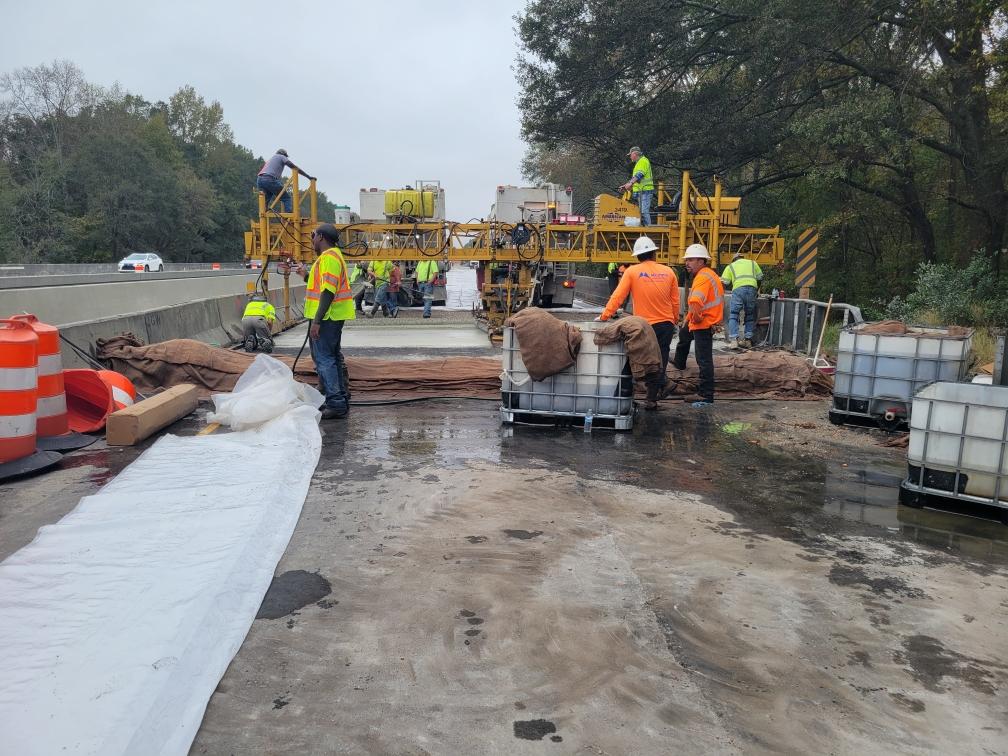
(117, 622)
(461, 292)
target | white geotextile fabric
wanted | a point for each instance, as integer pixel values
(117, 622)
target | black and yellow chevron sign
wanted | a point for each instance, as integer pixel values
(805, 263)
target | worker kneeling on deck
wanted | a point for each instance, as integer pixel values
(328, 304)
(257, 324)
(655, 291)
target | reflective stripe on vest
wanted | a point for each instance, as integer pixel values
(712, 277)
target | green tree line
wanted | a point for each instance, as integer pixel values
(882, 122)
(89, 174)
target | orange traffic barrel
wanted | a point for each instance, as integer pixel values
(18, 401)
(123, 391)
(52, 411)
(89, 400)
(18, 390)
(52, 422)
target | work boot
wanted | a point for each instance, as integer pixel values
(331, 414)
(250, 344)
(267, 346)
(746, 343)
(731, 344)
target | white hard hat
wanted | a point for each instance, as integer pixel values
(696, 250)
(643, 245)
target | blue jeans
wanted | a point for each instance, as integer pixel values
(385, 300)
(742, 298)
(271, 187)
(645, 200)
(325, 351)
(427, 289)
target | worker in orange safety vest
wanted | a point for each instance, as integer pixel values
(705, 311)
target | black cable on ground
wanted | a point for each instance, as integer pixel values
(87, 357)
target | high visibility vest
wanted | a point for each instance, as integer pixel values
(742, 272)
(382, 270)
(355, 272)
(260, 310)
(330, 272)
(706, 300)
(646, 184)
(612, 268)
(426, 270)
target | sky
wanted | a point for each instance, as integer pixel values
(362, 94)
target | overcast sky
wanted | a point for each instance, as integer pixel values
(360, 94)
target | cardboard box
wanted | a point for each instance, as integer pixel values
(133, 424)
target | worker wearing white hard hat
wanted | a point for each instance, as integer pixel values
(705, 310)
(655, 291)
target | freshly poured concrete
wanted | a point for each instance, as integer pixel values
(397, 334)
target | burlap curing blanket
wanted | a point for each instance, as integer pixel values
(769, 375)
(548, 344)
(641, 343)
(216, 370)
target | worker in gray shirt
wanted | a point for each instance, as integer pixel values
(270, 178)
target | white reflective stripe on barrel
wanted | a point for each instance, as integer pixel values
(52, 406)
(17, 426)
(120, 396)
(49, 364)
(17, 379)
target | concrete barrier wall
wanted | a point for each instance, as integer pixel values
(86, 302)
(55, 269)
(215, 321)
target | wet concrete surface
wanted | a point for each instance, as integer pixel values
(681, 587)
(740, 579)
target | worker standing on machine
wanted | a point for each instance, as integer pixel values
(328, 304)
(257, 324)
(705, 311)
(426, 273)
(743, 276)
(642, 185)
(655, 291)
(270, 179)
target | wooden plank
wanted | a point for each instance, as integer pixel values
(133, 424)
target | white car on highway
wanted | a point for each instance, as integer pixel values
(141, 261)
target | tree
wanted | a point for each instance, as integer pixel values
(901, 101)
(196, 123)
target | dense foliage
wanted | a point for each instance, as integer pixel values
(883, 122)
(90, 175)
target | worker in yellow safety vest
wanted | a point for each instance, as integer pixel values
(328, 305)
(426, 273)
(356, 271)
(705, 311)
(380, 273)
(743, 276)
(641, 184)
(257, 324)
